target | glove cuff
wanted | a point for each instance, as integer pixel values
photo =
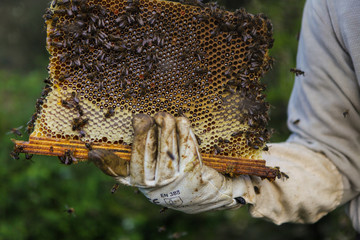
(243, 189)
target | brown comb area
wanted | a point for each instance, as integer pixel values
(113, 59)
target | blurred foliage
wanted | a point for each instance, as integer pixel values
(37, 194)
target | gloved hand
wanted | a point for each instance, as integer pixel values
(166, 166)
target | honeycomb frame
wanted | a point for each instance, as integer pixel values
(111, 59)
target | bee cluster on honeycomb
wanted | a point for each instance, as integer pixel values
(111, 59)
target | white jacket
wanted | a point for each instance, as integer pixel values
(322, 156)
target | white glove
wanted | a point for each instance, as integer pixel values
(166, 166)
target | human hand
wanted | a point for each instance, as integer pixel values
(167, 168)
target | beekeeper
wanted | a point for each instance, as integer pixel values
(321, 157)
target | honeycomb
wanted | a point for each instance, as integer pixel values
(111, 59)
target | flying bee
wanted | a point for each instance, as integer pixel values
(69, 210)
(114, 188)
(297, 72)
(28, 156)
(16, 131)
(15, 155)
(162, 210)
(346, 113)
(161, 229)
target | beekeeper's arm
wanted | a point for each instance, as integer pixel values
(324, 109)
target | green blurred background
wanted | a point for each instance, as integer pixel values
(34, 195)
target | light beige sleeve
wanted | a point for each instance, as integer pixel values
(314, 187)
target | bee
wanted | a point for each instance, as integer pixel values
(228, 73)
(280, 174)
(296, 121)
(161, 229)
(70, 210)
(68, 158)
(162, 210)
(56, 44)
(170, 155)
(189, 82)
(51, 149)
(266, 148)
(60, 11)
(88, 146)
(48, 14)
(227, 27)
(30, 124)
(64, 77)
(201, 17)
(236, 134)
(28, 156)
(215, 32)
(54, 21)
(177, 235)
(218, 150)
(201, 70)
(297, 72)
(110, 112)
(346, 113)
(114, 188)
(199, 55)
(185, 54)
(79, 123)
(15, 155)
(132, 7)
(79, 110)
(67, 104)
(82, 133)
(140, 20)
(16, 131)
(55, 34)
(153, 18)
